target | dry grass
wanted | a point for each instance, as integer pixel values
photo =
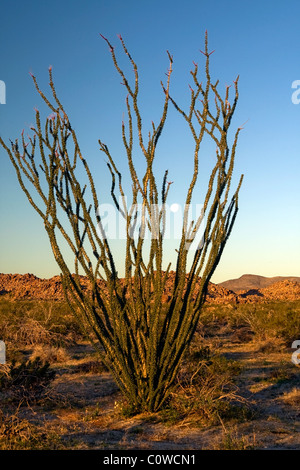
(19, 434)
(237, 389)
(232, 440)
(292, 397)
(206, 391)
(51, 354)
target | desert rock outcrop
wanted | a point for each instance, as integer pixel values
(29, 286)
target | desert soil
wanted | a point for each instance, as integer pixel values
(86, 412)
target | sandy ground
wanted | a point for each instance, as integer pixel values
(86, 416)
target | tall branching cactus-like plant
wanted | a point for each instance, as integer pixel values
(140, 337)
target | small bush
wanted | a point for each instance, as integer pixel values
(50, 354)
(125, 409)
(202, 354)
(26, 382)
(262, 321)
(232, 441)
(292, 397)
(20, 434)
(273, 320)
(281, 374)
(28, 323)
(205, 391)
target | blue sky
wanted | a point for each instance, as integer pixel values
(257, 40)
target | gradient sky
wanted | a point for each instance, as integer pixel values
(257, 40)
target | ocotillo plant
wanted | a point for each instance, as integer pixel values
(141, 336)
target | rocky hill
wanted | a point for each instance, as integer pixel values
(251, 281)
(28, 286)
(283, 290)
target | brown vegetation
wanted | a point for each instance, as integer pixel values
(237, 387)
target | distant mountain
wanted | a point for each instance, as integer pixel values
(253, 281)
(248, 288)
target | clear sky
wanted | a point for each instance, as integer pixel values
(255, 39)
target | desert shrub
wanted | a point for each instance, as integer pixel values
(200, 354)
(263, 321)
(125, 409)
(26, 382)
(206, 391)
(220, 314)
(50, 354)
(32, 332)
(273, 320)
(143, 336)
(292, 397)
(28, 323)
(283, 372)
(224, 320)
(232, 441)
(20, 434)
